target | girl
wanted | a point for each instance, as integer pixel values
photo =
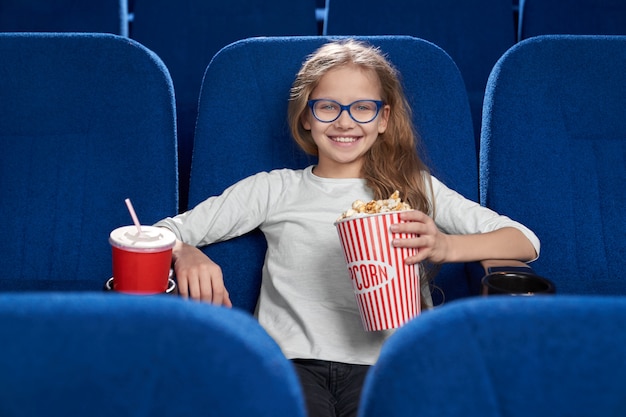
(346, 107)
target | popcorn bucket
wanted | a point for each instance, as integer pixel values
(387, 290)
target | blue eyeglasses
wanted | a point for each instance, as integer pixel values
(361, 111)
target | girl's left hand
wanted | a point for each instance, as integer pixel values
(430, 242)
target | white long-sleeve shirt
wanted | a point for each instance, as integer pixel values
(306, 302)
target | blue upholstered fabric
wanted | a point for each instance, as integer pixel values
(77, 355)
(574, 17)
(242, 129)
(505, 356)
(86, 120)
(475, 33)
(553, 155)
(109, 16)
(187, 33)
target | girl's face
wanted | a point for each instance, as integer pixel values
(343, 143)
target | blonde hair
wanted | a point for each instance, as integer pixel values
(393, 162)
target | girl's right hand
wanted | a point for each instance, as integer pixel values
(198, 277)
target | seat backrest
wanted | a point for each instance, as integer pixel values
(552, 155)
(504, 356)
(108, 16)
(574, 17)
(98, 354)
(475, 33)
(242, 129)
(187, 33)
(86, 120)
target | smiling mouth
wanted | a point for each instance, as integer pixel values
(344, 139)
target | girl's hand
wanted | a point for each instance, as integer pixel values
(198, 276)
(430, 242)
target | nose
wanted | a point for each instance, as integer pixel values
(344, 120)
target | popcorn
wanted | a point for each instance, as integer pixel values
(361, 208)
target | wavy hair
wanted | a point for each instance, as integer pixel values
(393, 162)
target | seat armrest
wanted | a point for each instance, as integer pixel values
(475, 271)
(500, 265)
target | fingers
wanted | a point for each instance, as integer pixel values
(203, 283)
(417, 231)
(211, 288)
(409, 242)
(413, 222)
(226, 300)
(414, 216)
(183, 289)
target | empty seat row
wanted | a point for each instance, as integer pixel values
(104, 355)
(532, 17)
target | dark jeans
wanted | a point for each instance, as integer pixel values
(331, 389)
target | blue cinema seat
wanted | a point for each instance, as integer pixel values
(242, 129)
(553, 155)
(102, 355)
(475, 33)
(108, 16)
(572, 17)
(86, 120)
(557, 356)
(187, 33)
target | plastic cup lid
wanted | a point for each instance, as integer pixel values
(150, 238)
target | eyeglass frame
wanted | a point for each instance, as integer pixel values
(311, 103)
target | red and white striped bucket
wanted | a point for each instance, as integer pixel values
(386, 289)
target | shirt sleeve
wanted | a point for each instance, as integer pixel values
(239, 209)
(455, 214)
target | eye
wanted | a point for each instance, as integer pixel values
(364, 106)
(326, 106)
